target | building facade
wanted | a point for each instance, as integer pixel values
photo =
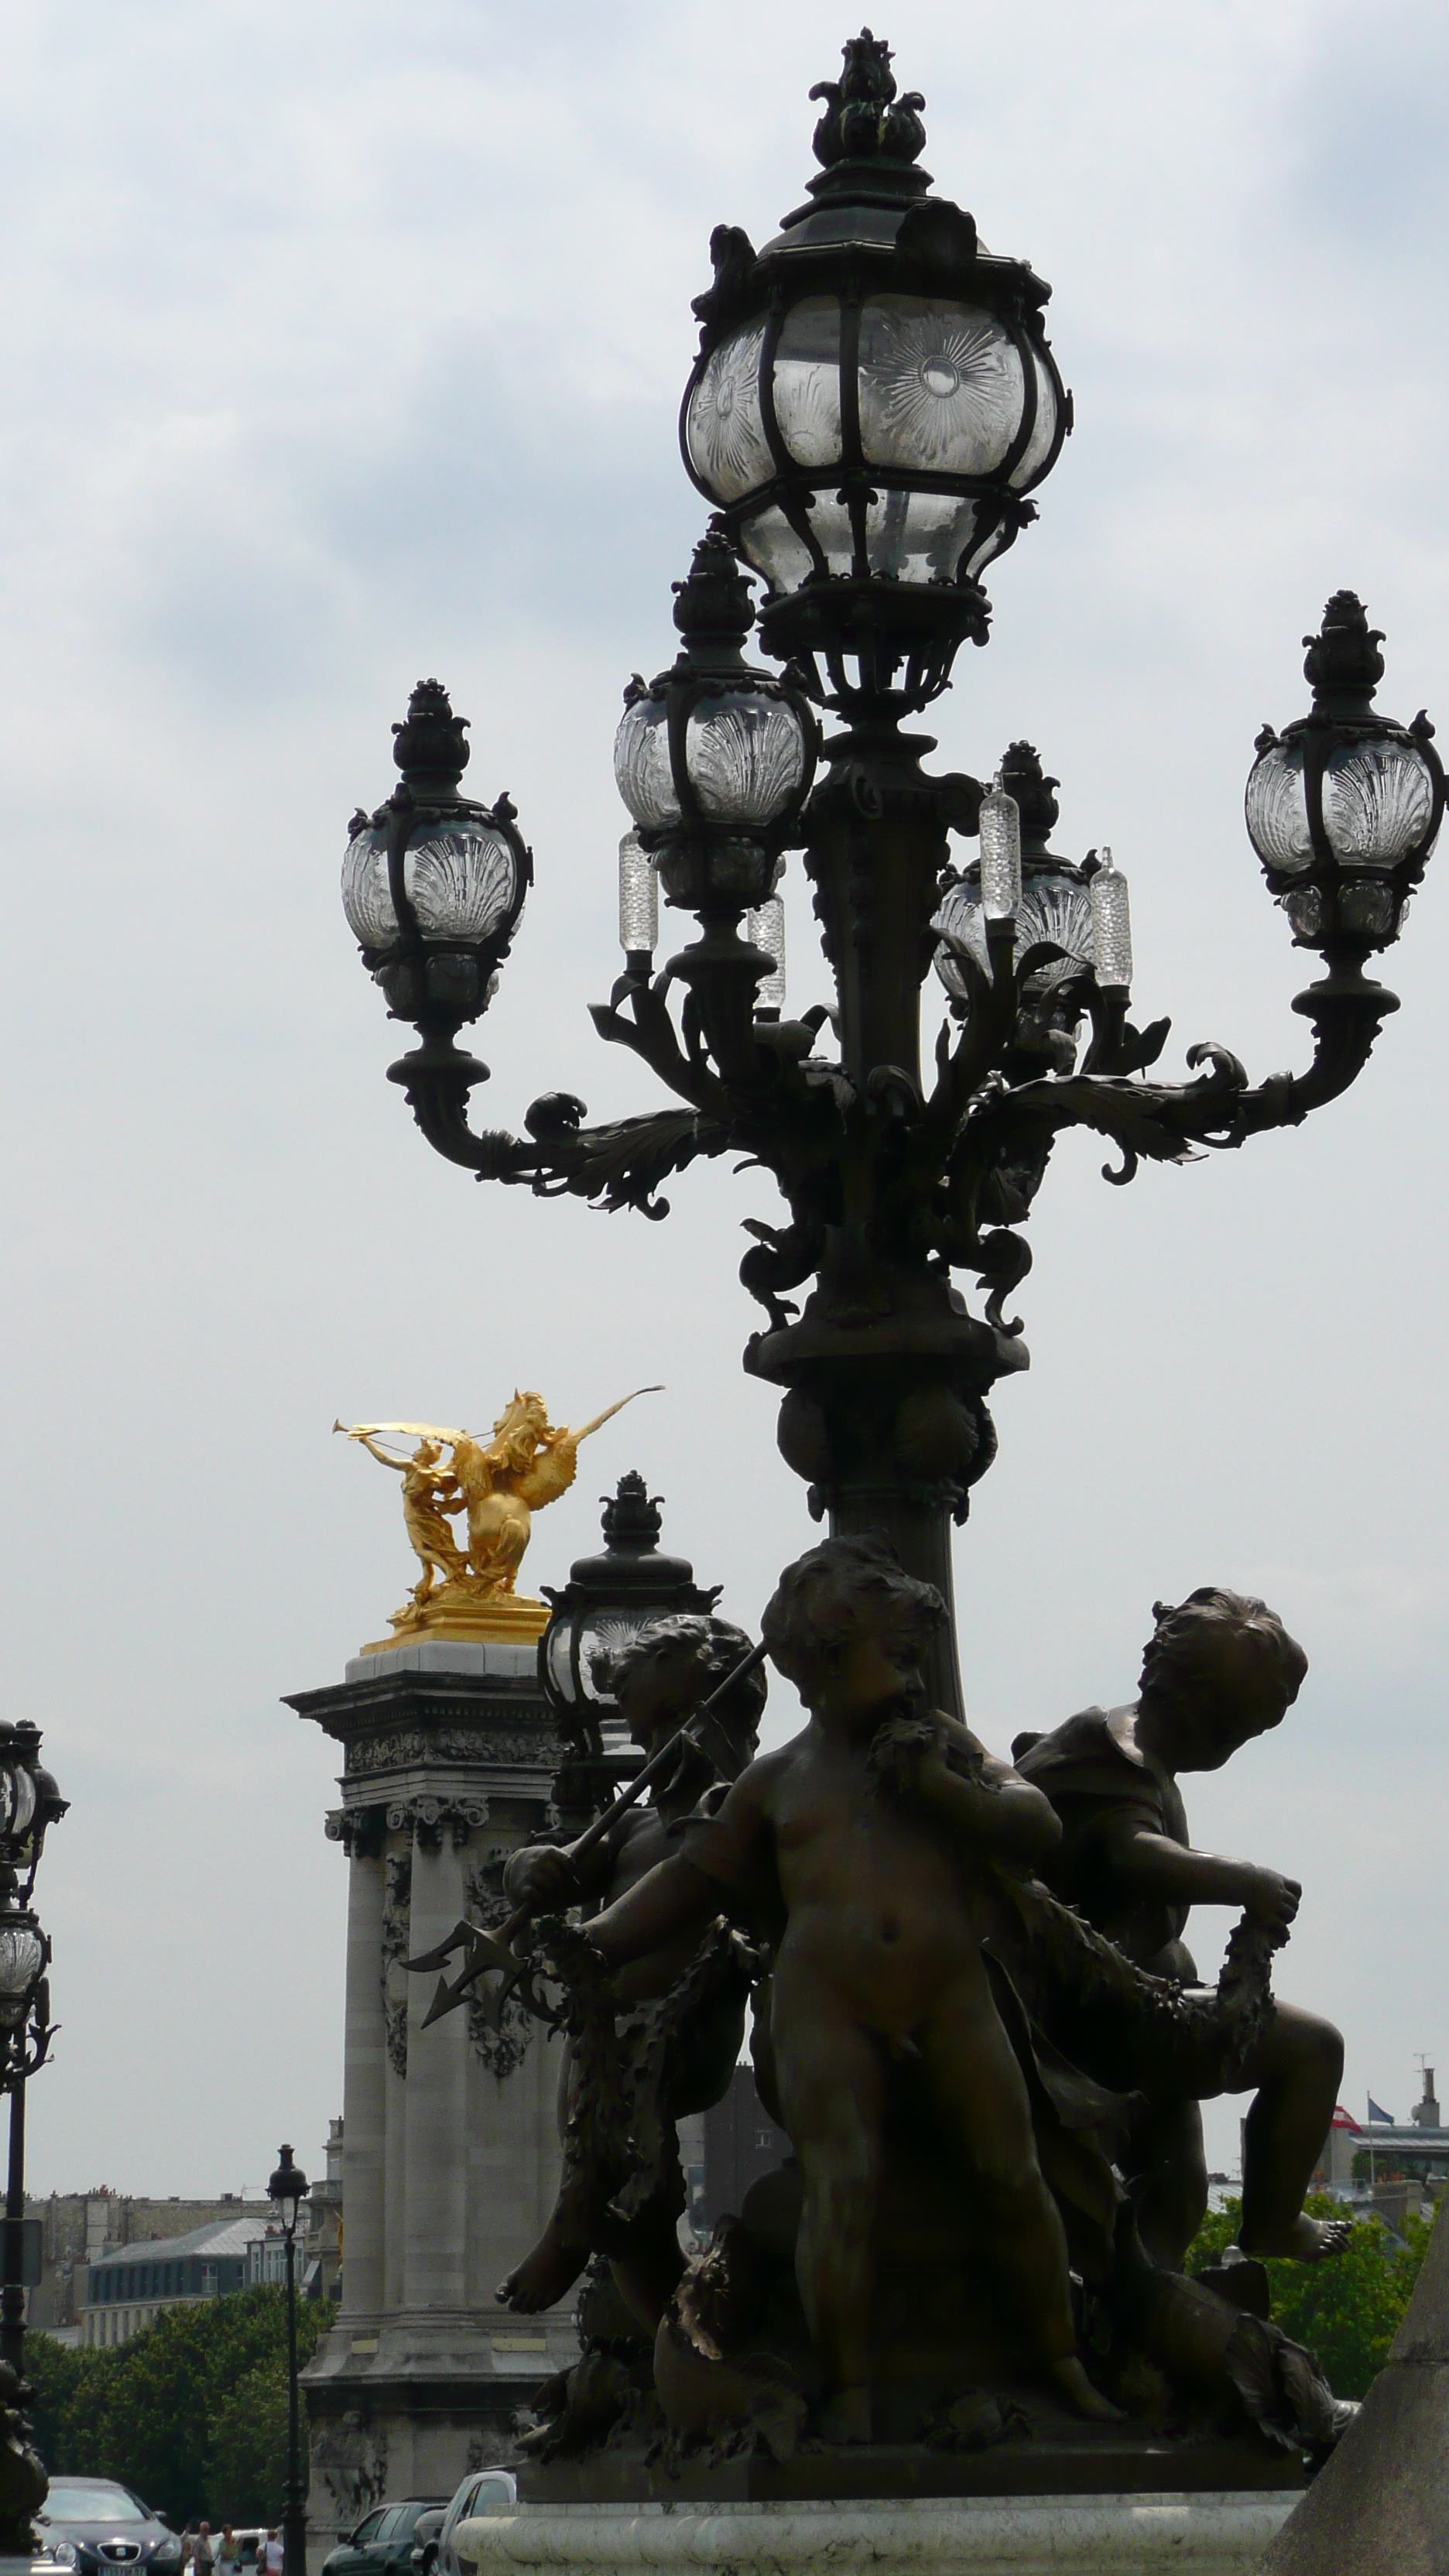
(78, 2228)
(127, 2288)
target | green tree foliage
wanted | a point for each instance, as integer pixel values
(1346, 2310)
(192, 2413)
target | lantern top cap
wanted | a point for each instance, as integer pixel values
(865, 119)
(632, 1519)
(1343, 660)
(1023, 778)
(713, 604)
(288, 2182)
(429, 746)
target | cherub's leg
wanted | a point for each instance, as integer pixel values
(832, 2093)
(1167, 2172)
(648, 2264)
(973, 2072)
(1297, 2066)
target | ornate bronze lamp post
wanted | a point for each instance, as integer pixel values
(873, 405)
(286, 2191)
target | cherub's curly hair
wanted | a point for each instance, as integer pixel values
(716, 1646)
(1204, 1618)
(822, 1601)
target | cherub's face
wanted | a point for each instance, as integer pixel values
(878, 1667)
(659, 1694)
(1221, 1704)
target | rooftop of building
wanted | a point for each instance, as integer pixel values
(222, 2236)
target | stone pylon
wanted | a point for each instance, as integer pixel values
(1380, 2506)
(450, 2143)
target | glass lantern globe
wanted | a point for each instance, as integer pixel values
(873, 400)
(608, 1598)
(432, 884)
(1343, 808)
(23, 1954)
(1054, 904)
(712, 759)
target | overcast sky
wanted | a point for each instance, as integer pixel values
(344, 344)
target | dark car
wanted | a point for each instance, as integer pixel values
(92, 2524)
(382, 2544)
(423, 2555)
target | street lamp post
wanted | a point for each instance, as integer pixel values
(872, 409)
(29, 1803)
(287, 2190)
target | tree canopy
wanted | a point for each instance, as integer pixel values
(192, 2412)
(1346, 2310)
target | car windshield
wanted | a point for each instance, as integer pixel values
(91, 2504)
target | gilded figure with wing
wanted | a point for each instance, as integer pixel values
(500, 1484)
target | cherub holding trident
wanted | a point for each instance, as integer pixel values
(525, 1465)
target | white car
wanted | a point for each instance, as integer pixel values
(482, 2491)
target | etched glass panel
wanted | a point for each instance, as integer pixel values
(1377, 800)
(918, 536)
(17, 1797)
(772, 546)
(941, 386)
(1366, 907)
(723, 430)
(638, 898)
(1305, 910)
(1111, 927)
(806, 381)
(1000, 854)
(1043, 430)
(960, 918)
(831, 529)
(366, 899)
(765, 929)
(1060, 911)
(460, 878)
(22, 1956)
(745, 753)
(1277, 809)
(641, 763)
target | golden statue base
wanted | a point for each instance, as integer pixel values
(462, 1614)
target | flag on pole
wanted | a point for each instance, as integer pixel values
(1376, 2114)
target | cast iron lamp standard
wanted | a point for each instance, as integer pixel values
(873, 406)
(29, 1803)
(287, 2190)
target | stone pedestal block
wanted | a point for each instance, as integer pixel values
(450, 2144)
(1380, 2505)
(1063, 2535)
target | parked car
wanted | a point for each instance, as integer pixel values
(382, 2544)
(425, 2539)
(482, 2491)
(92, 2524)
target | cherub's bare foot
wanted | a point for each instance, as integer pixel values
(1307, 2240)
(1071, 2382)
(845, 2417)
(543, 2276)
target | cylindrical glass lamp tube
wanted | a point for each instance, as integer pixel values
(638, 898)
(1000, 854)
(1111, 928)
(766, 930)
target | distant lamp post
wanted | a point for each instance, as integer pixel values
(286, 2191)
(607, 1599)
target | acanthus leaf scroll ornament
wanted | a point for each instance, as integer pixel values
(396, 1916)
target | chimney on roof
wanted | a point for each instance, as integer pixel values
(1425, 2114)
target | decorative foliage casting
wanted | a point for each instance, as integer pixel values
(396, 1913)
(502, 2040)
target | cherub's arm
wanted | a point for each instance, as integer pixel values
(982, 1799)
(1152, 1864)
(682, 1894)
(547, 1874)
